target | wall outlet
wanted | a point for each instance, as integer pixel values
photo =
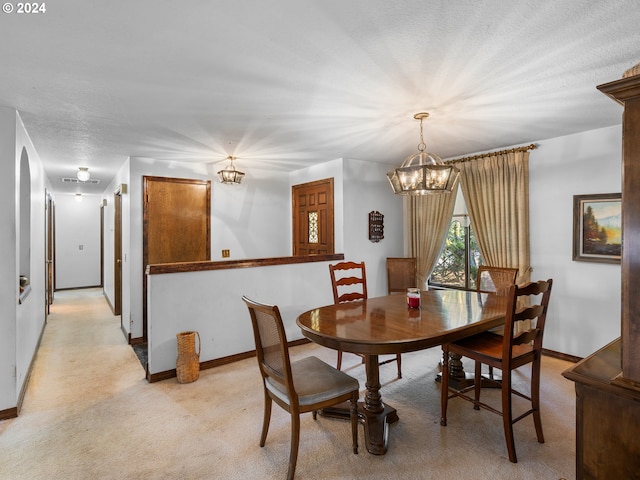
(225, 253)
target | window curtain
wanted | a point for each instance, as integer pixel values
(429, 219)
(496, 192)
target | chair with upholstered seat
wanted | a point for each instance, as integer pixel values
(306, 385)
(349, 284)
(507, 352)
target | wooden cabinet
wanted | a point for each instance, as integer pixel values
(607, 418)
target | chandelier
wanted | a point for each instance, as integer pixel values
(422, 173)
(230, 175)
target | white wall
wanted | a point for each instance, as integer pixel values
(252, 220)
(21, 324)
(367, 189)
(77, 235)
(584, 312)
(210, 302)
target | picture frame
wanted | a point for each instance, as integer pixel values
(597, 228)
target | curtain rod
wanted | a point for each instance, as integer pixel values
(491, 154)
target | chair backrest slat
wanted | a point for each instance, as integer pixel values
(347, 274)
(521, 309)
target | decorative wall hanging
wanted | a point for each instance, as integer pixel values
(376, 226)
(597, 228)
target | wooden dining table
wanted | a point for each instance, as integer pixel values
(386, 325)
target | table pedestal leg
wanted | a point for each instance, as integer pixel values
(372, 413)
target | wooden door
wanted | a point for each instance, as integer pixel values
(49, 218)
(117, 254)
(313, 217)
(176, 224)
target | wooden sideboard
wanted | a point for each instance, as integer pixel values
(607, 418)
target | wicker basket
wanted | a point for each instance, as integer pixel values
(188, 362)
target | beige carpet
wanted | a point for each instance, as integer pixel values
(90, 414)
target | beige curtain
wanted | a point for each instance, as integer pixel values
(496, 192)
(429, 219)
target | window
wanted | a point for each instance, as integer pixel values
(457, 266)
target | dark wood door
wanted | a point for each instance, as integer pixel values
(313, 217)
(117, 254)
(176, 224)
(49, 277)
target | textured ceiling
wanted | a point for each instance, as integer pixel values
(283, 84)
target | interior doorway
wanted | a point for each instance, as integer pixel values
(313, 230)
(117, 255)
(49, 232)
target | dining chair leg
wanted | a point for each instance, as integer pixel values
(535, 398)
(444, 387)
(266, 418)
(477, 385)
(339, 364)
(354, 422)
(295, 439)
(507, 418)
(399, 360)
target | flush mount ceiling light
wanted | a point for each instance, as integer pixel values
(83, 174)
(422, 173)
(230, 175)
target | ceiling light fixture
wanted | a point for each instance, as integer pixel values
(422, 173)
(83, 174)
(230, 175)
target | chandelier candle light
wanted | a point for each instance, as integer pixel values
(230, 175)
(423, 173)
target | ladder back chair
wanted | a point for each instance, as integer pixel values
(401, 274)
(506, 352)
(496, 280)
(349, 284)
(306, 385)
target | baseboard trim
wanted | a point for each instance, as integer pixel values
(137, 340)
(561, 356)
(9, 413)
(104, 294)
(167, 374)
(77, 288)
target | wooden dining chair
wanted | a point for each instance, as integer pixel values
(495, 279)
(401, 274)
(506, 352)
(306, 385)
(349, 284)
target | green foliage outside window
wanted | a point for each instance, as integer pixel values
(458, 263)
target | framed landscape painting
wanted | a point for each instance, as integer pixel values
(597, 227)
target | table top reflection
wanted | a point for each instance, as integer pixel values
(382, 325)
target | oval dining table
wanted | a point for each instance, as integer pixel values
(386, 325)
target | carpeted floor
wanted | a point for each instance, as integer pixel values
(90, 414)
(141, 352)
